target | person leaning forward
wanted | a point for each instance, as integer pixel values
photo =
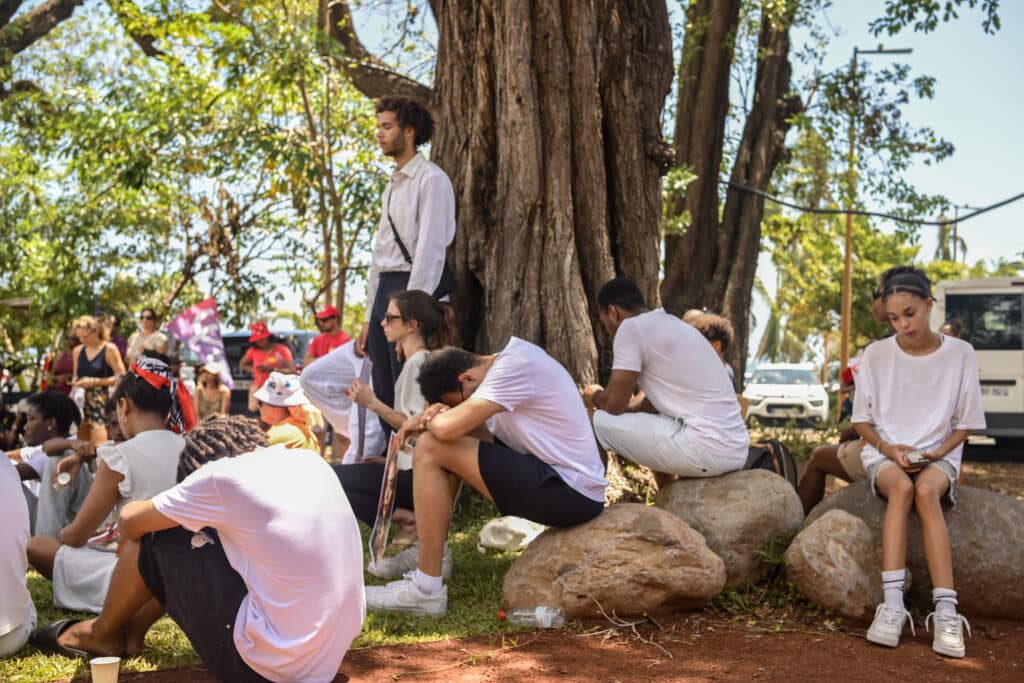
(686, 421)
(512, 426)
(417, 223)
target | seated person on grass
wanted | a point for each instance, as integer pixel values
(686, 422)
(512, 426)
(17, 612)
(255, 554)
(50, 415)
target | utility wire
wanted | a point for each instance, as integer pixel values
(875, 214)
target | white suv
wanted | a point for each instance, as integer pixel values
(786, 391)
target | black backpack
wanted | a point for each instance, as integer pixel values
(773, 456)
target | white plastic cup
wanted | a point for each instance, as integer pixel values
(105, 669)
(62, 482)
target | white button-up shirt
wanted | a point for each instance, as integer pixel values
(422, 204)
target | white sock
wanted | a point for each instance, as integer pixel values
(945, 601)
(428, 585)
(892, 586)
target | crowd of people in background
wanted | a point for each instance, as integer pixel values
(143, 495)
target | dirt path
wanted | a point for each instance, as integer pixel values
(701, 649)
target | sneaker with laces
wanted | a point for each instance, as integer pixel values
(948, 638)
(887, 627)
(398, 565)
(405, 596)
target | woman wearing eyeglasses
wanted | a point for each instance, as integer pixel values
(148, 337)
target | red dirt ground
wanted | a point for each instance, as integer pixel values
(702, 649)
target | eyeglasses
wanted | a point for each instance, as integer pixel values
(388, 318)
(147, 317)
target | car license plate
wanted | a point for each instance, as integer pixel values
(996, 392)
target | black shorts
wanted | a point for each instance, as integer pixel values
(202, 592)
(525, 486)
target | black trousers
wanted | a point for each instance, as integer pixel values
(382, 354)
(201, 592)
(362, 486)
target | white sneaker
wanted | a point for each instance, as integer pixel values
(887, 627)
(948, 638)
(405, 596)
(407, 560)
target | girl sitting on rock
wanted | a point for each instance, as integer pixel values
(918, 398)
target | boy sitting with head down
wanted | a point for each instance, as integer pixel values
(512, 426)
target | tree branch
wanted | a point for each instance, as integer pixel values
(7, 10)
(138, 26)
(369, 74)
(34, 24)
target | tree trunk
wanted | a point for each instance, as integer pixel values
(549, 126)
(708, 49)
(714, 263)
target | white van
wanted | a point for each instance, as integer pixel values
(991, 311)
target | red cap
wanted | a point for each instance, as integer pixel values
(328, 312)
(257, 331)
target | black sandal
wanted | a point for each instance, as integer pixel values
(46, 639)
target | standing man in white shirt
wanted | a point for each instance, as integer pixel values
(417, 223)
(512, 426)
(686, 421)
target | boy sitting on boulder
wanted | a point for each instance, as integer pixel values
(513, 427)
(686, 421)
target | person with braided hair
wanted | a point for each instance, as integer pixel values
(79, 561)
(255, 554)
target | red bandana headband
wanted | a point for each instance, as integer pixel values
(156, 374)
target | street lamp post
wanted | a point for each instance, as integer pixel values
(844, 328)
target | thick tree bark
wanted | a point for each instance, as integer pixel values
(714, 263)
(549, 126)
(708, 48)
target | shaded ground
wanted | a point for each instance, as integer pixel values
(701, 649)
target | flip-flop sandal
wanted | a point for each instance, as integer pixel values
(46, 639)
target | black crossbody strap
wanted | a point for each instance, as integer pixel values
(394, 230)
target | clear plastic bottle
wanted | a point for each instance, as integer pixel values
(536, 617)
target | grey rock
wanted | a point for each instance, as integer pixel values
(833, 562)
(738, 513)
(632, 558)
(985, 532)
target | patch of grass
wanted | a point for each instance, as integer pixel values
(474, 598)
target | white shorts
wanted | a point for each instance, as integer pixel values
(661, 443)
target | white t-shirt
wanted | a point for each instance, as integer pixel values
(148, 462)
(545, 415)
(918, 400)
(288, 530)
(409, 398)
(15, 601)
(683, 377)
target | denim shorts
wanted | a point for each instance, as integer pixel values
(948, 500)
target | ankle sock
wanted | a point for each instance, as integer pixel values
(428, 585)
(945, 601)
(892, 586)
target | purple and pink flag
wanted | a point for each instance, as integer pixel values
(198, 328)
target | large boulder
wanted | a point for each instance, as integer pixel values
(833, 562)
(632, 558)
(738, 513)
(985, 532)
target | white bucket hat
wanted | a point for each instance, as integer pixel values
(281, 390)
